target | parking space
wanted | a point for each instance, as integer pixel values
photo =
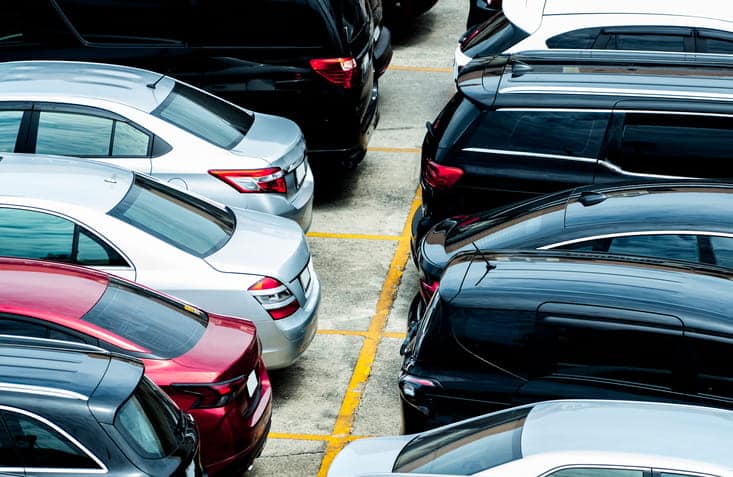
(344, 387)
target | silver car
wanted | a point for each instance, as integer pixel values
(227, 260)
(156, 125)
(578, 438)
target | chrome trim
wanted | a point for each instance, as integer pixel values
(274, 306)
(42, 391)
(559, 110)
(688, 113)
(644, 470)
(531, 154)
(269, 291)
(652, 93)
(637, 233)
(617, 169)
(102, 470)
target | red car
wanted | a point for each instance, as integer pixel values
(210, 365)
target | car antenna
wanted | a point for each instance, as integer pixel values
(489, 266)
(155, 83)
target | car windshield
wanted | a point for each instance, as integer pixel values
(466, 448)
(205, 116)
(149, 422)
(166, 328)
(179, 219)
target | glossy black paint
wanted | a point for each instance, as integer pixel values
(383, 44)
(270, 78)
(108, 380)
(481, 10)
(555, 325)
(515, 126)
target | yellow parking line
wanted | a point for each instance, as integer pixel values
(352, 236)
(309, 437)
(342, 332)
(395, 334)
(399, 150)
(420, 68)
(345, 419)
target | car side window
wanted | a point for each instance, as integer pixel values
(27, 327)
(676, 145)
(713, 41)
(9, 127)
(42, 447)
(38, 235)
(722, 250)
(575, 134)
(596, 472)
(577, 39)
(647, 42)
(87, 135)
(677, 247)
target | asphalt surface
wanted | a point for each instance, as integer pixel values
(345, 385)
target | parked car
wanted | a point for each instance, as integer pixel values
(511, 328)
(538, 122)
(481, 10)
(71, 409)
(308, 60)
(705, 26)
(210, 365)
(570, 438)
(229, 261)
(382, 38)
(173, 131)
(690, 221)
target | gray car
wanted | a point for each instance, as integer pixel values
(227, 260)
(573, 438)
(156, 125)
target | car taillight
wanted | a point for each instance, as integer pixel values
(275, 298)
(439, 176)
(214, 394)
(270, 179)
(411, 384)
(427, 290)
(339, 71)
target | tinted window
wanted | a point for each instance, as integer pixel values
(586, 472)
(166, 328)
(41, 446)
(493, 37)
(18, 327)
(32, 23)
(574, 134)
(129, 141)
(711, 355)
(677, 247)
(645, 42)
(576, 39)
(175, 217)
(205, 116)
(73, 134)
(148, 421)
(9, 127)
(723, 250)
(710, 41)
(467, 448)
(31, 234)
(676, 145)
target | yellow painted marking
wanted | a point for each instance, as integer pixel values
(342, 332)
(345, 419)
(428, 69)
(309, 437)
(395, 334)
(352, 236)
(399, 150)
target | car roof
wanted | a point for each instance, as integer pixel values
(64, 180)
(74, 79)
(48, 289)
(645, 284)
(648, 428)
(713, 9)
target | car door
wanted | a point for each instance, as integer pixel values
(42, 235)
(90, 133)
(596, 352)
(646, 143)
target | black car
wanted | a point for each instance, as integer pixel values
(511, 328)
(70, 409)
(690, 221)
(538, 122)
(308, 60)
(382, 38)
(481, 10)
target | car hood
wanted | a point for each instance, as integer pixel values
(276, 141)
(263, 244)
(367, 456)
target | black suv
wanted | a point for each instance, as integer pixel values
(512, 328)
(539, 122)
(308, 60)
(71, 409)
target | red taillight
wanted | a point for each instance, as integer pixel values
(439, 176)
(270, 179)
(339, 71)
(214, 394)
(275, 298)
(427, 290)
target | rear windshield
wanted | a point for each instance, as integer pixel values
(205, 116)
(164, 327)
(150, 422)
(493, 37)
(179, 219)
(466, 448)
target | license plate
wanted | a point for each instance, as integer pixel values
(252, 383)
(305, 278)
(300, 174)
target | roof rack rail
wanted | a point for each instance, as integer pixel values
(622, 57)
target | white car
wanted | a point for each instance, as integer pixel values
(703, 26)
(571, 438)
